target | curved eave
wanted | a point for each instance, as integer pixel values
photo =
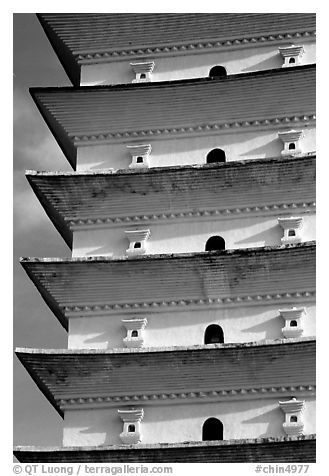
(163, 190)
(58, 132)
(64, 54)
(48, 298)
(50, 207)
(90, 373)
(74, 282)
(75, 113)
(293, 449)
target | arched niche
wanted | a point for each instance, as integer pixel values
(215, 243)
(214, 334)
(212, 430)
(216, 156)
(218, 72)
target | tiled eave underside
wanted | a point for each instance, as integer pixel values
(141, 34)
(208, 46)
(155, 283)
(77, 201)
(283, 449)
(83, 379)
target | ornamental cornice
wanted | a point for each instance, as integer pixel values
(225, 213)
(188, 397)
(134, 324)
(143, 149)
(182, 304)
(231, 126)
(292, 313)
(292, 50)
(290, 222)
(290, 136)
(131, 414)
(142, 66)
(188, 47)
(292, 406)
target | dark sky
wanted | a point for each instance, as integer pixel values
(35, 64)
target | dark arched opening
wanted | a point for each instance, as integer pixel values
(212, 430)
(214, 334)
(217, 72)
(215, 243)
(216, 155)
(292, 61)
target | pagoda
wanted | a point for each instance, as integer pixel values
(189, 299)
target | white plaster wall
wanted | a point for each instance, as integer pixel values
(189, 236)
(180, 328)
(240, 145)
(198, 65)
(178, 423)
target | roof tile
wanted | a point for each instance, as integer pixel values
(299, 449)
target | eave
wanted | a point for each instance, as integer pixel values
(293, 449)
(90, 39)
(74, 286)
(63, 52)
(142, 377)
(106, 114)
(82, 200)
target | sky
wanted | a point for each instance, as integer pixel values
(35, 421)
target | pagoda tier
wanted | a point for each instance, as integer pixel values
(95, 40)
(83, 379)
(175, 195)
(175, 109)
(183, 281)
(294, 449)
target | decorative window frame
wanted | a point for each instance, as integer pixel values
(143, 71)
(293, 51)
(293, 408)
(137, 236)
(292, 314)
(134, 325)
(131, 416)
(291, 224)
(138, 152)
(291, 137)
